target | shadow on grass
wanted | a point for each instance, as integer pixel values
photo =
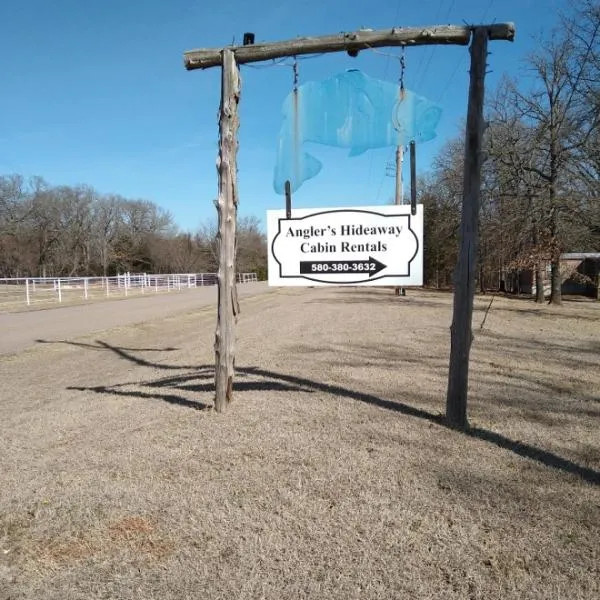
(266, 380)
(441, 299)
(168, 398)
(100, 346)
(487, 365)
(122, 352)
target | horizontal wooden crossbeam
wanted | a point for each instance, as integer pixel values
(205, 58)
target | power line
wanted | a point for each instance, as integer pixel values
(450, 9)
(395, 21)
(462, 57)
(391, 156)
(385, 72)
(487, 9)
(421, 73)
(443, 92)
(439, 8)
(281, 62)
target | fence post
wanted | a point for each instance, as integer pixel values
(107, 284)
(85, 288)
(27, 292)
(59, 292)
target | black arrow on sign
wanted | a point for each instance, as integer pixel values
(338, 267)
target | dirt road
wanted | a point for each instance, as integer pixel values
(19, 331)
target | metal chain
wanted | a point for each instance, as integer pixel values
(402, 69)
(395, 119)
(295, 67)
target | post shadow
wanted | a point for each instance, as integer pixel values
(274, 381)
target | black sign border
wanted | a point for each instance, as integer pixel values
(345, 210)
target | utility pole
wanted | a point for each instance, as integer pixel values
(229, 59)
(399, 185)
(399, 198)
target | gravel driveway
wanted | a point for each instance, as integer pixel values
(21, 330)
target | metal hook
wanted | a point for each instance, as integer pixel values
(288, 200)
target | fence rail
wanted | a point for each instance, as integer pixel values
(35, 291)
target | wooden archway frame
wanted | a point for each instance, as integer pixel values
(229, 59)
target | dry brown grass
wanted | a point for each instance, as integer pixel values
(331, 476)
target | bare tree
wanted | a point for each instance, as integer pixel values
(251, 247)
(556, 121)
(14, 203)
(106, 219)
(70, 230)
(13, 195)
(520, 191)
(206, 242)
(72, 251)
(440, 193)
(141, 223)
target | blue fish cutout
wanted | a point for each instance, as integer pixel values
(350, 110)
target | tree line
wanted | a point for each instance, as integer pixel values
(541, 186)
(73, 230)
(541, 170)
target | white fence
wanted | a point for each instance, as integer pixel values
(35, 291)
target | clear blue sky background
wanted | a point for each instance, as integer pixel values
(95, 92)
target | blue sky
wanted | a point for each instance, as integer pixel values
(95, 92)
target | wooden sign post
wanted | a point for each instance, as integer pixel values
(227, 308)
(461, 334)
(228, 59)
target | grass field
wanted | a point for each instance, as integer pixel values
(331, 475)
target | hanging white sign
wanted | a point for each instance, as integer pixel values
(366, 246)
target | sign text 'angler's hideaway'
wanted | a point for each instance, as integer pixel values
(376, 245)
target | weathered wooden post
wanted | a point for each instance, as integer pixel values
(227, 308)
(464, 285)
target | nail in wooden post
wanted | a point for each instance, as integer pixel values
(464, 279)
(227, 213)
